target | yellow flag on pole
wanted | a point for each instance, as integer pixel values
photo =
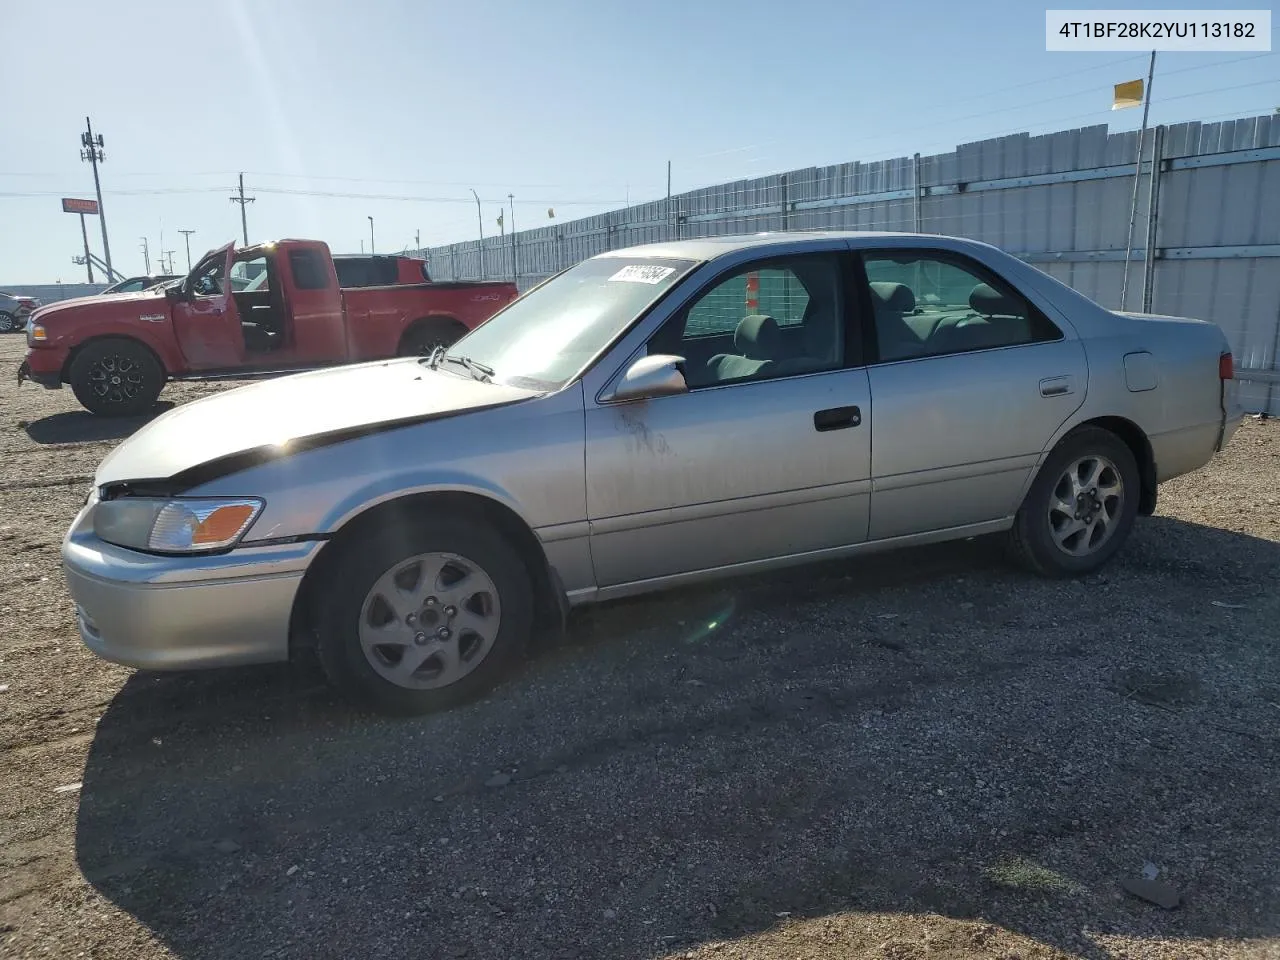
(1128, 94)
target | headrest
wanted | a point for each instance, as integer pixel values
(757, 337)
(989, 302)
(892, 296)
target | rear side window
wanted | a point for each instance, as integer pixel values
(366, 271)
(933, 303)
(308, 270)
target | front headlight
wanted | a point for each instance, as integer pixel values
(185, 525)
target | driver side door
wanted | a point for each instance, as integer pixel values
(768, 452)
(205, 319)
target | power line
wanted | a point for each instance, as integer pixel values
(286, 191)
(1203, 93)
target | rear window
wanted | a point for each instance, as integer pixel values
(366, 271)
(308, 270)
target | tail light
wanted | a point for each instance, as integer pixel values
(1226, 367)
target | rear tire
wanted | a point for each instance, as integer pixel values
(424, 614)
(423, 337)
(1081, 506)
(115, 377)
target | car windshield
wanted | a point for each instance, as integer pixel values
(547, 336)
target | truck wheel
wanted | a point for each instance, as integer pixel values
(1081, 505)
(425, 615)
(426, 335)
(116, 377)
(8, 322)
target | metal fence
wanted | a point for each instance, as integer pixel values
(1058, 200)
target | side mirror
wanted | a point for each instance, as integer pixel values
(173, 293)
(660, 375)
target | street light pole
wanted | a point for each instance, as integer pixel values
(146, 256)
(371, 250)
(480, 242)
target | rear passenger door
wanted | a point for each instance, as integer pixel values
(970, 380)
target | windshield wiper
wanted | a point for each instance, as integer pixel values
(477, 370)
(432, 360)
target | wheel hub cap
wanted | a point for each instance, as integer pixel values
(429, 621)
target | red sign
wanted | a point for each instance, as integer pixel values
(79, 206)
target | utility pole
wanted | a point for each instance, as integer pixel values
(91, 150)
(146, 256)
(186, 235)
(515, 277)
(168, 255)
(417, 239)
(242, 200)
(372, 251)
(480, 242)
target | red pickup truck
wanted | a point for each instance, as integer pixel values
(272, 308)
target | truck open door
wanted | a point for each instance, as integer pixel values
(205, 319)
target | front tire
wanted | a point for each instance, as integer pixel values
(422, 615)
(115, 377)
(1081, 507)
(9, 322)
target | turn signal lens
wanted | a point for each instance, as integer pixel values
(185, 525)
(1226, 367)
(38, 332)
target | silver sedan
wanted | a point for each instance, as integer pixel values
(650, 417)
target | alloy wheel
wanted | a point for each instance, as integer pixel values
(1085, 505)
(116, 379)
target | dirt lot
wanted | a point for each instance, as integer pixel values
(929, 755)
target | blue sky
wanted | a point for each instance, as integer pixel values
(571, 104)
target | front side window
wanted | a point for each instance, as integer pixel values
(208, 278)
(775, 319)
(250, 275)
(927, 304)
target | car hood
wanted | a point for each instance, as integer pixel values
(277, 417)
(122, 299)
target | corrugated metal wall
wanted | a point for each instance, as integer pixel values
(1059, 200)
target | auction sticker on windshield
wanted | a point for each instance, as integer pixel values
(642, 273)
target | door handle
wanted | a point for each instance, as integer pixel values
(1056, 387)
(836, 418)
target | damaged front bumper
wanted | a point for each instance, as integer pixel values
(50, 381)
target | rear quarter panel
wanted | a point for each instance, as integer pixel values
(1182, 414)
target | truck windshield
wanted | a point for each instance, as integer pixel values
(548, 335)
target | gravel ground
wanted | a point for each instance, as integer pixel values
(923, 755)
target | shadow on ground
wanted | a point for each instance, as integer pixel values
(81, 426)
(927, 732)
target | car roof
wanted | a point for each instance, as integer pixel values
(709, 248)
